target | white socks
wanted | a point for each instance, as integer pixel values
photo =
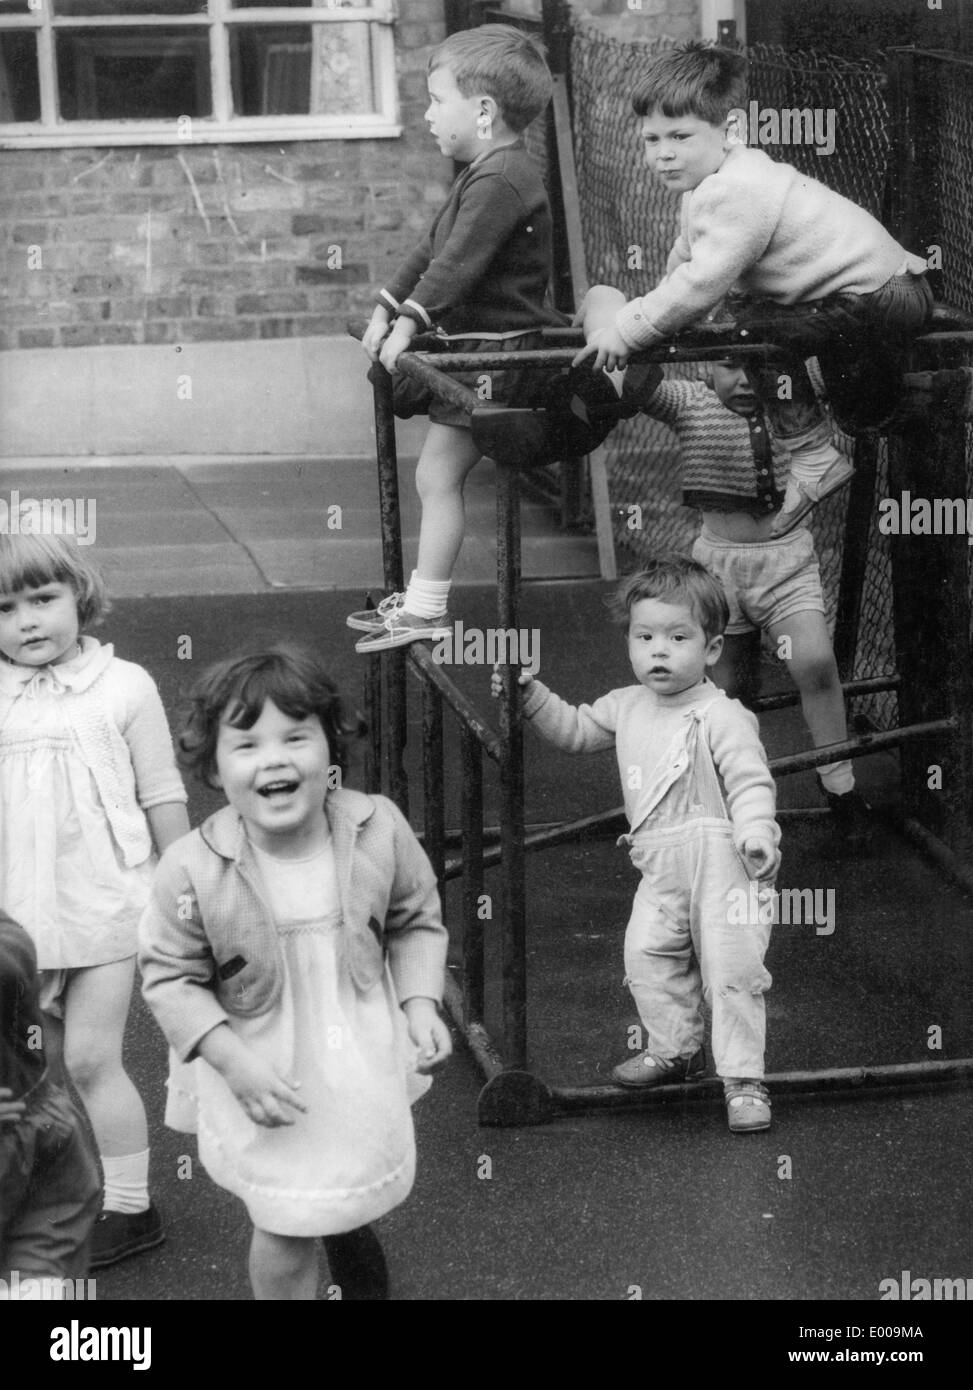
(837, 778)
(427, 598)
(126, 1182)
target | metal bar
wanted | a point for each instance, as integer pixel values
(868, 685)
(477, 1038)
(514, 946)
(420, 657)
(471, 813)
(372, 701)
(397, 727)
(859, 747)
(854, 555)
(419, 366)
(674, 351)
(388, 480)
(931, 845)
(899, 1074)
(433, 784)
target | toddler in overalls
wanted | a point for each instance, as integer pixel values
(700, 801)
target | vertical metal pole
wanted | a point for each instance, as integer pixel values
(372, 701)
(471, 813)
(932, 628)
(854, 555)
(433, 784)
(514, 938)
(396, 726)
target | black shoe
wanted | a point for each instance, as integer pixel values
(120, 1234)
(853, 820)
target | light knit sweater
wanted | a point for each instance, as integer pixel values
(114, 710)
(648, 732)
(769, 229)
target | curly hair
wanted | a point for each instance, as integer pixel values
(234, 692)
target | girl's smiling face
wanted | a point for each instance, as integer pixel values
(39, 627)
(276, 775)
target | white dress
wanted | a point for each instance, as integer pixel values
(351, 1157)
(62, 874)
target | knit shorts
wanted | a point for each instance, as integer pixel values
(765, 581)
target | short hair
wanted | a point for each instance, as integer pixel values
(21, 1020)
(33, 560)
(676, 579)
(235, 691)
(502, 62)
(695, 79)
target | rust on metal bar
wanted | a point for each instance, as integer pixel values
(420, 657)
(471, 812)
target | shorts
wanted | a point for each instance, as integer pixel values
(765, 581)
(514, 387)
(50, 1190)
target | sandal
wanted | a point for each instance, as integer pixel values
(747, 1106)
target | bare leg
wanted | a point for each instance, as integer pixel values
(283, 1267)
(738, 669)
(810, 661)
(96, 1005)
(447, 457)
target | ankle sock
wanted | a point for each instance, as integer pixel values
(427, 598)
(126, 1182)
(837, 778)
(357, 1264)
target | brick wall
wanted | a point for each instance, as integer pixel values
(189, 243)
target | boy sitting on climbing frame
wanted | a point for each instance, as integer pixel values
(831, 278)
(481, 275)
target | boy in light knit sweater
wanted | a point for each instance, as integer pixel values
(682, 747)
(790, 243)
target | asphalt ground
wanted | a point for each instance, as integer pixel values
(654, 1204)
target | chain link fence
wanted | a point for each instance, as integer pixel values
(629, 224)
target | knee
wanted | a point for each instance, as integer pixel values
(87, 1069)
(816, 676)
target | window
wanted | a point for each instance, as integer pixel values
(127, 72)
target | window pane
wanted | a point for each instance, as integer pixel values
(134, 8)
(20, 97)
(316, 4)
(14, 7)
(132, 74)
(301, 69)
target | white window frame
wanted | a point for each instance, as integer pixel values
(223, 126)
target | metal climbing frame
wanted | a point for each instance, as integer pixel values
(936, 728)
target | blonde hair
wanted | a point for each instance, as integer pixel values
(33, 560)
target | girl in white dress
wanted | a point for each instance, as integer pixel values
(293, 953)
(88, 789)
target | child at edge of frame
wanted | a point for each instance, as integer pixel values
(89, 795)
(776, 245)
(700, 802)
(50, 1190)
(293, 954)
(480, 276)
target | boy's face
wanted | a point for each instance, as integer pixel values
(734, 390)
(682, 150)
(668, 649)
(275, 775)
(452, 116)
